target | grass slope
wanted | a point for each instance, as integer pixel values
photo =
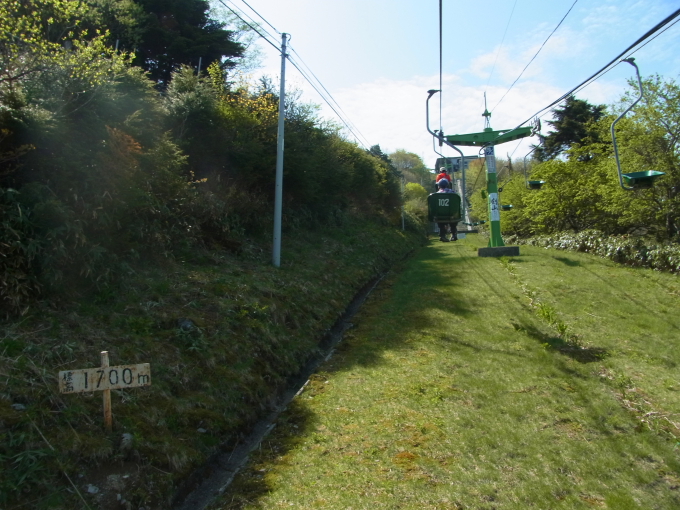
(222, 333)
(545, 381)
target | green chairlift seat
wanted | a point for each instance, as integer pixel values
(444, 208)
(634, 180)
(535, 184)
(641, 180)
(506, 207)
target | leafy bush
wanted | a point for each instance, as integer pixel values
(100, 169)
(632, 251)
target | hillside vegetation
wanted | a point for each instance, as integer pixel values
(222, 333)
(136, 210)
(103, 165)
(581, 190)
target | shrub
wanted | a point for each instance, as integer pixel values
(632, 251)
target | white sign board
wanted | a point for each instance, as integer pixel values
(105, 378)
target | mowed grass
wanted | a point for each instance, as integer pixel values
(545, 381)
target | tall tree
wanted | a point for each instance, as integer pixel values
(376, 151)
(179, 32)
(410, 166)
(572, 125)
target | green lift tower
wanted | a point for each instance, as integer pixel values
(486, 139)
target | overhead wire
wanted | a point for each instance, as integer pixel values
(327, 92)
(342, 119)
(257, 23)
(479, 173)
(254, 24)
(516, 147)
(261, 17)
(252, 27)
(535, 55)
(493, 68)
(657, 35)
(608, 67)
(441, 52)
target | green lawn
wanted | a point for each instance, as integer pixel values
(549, 380)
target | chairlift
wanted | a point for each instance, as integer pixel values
(439, 135)
(506, 207)
(634, 180)
(642, 180)
(536, 185)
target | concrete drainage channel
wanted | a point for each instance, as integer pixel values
(212, 479)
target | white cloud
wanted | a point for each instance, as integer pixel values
(391, 112)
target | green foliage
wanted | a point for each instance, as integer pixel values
(415, 202)
(573, 196)
(101, 170)
(25, 465)
(582, 192)
(46, 45)
(223, 333)
(414, 191)
(175, 33)
(411, 167)
(649, 141)
(572, 126)
(632, 251)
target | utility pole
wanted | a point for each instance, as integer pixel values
(278, 195)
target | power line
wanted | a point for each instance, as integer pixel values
(481, 171)
(657, 35)
(253, 22)
(441, 37)
(608, 67)
(516, 147)
(501, 45)
(302, 73)
(532, 58)
(252, 27)
(327, 92)
(261, 17)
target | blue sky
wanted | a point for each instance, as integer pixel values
(378, 58)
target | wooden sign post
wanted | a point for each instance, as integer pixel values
(105, 379)
(108, 417)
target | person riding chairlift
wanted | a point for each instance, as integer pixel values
(443, 186)
(443, 176)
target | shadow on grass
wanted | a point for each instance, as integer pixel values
(480, 349)
(251, 484)
(433, 286)
(559, 344)
(568, 262)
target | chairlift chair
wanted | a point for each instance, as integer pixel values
(633, 180)
(531, 184)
